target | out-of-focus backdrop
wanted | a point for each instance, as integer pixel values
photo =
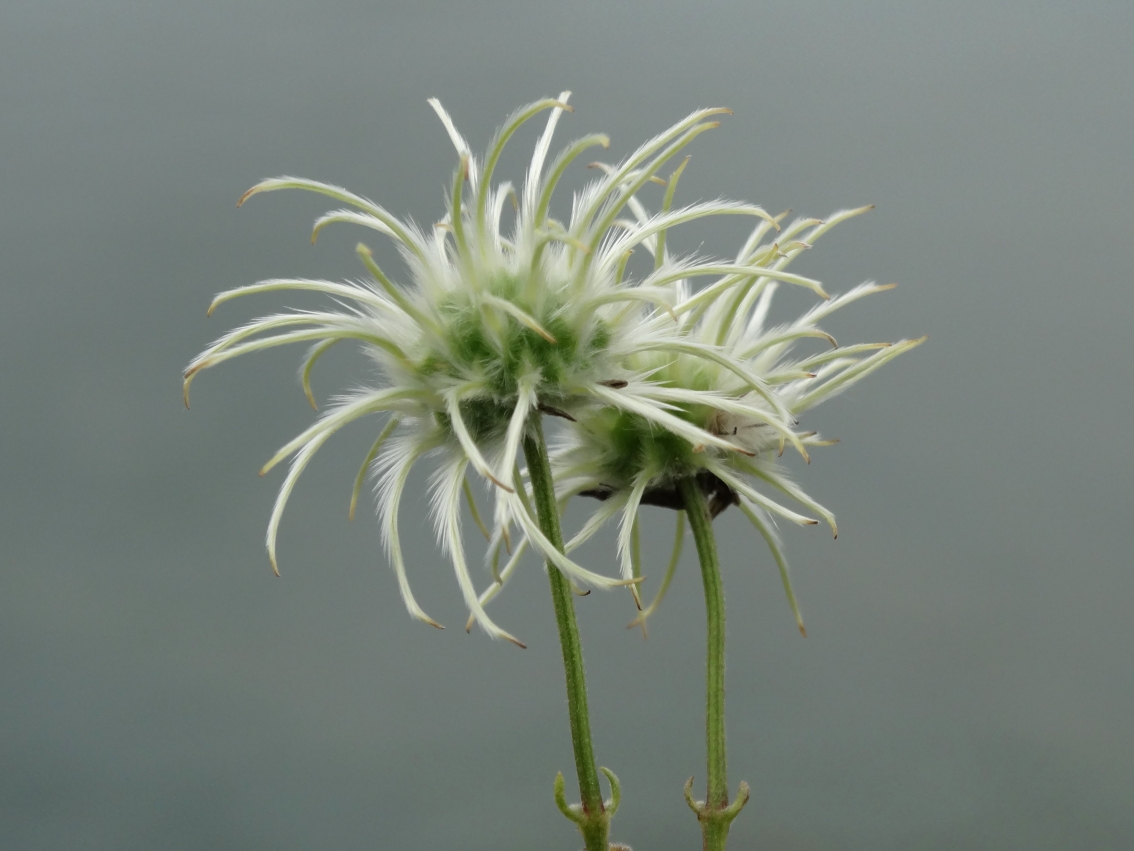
(967, 679)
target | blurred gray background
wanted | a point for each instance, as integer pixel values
(967, 680)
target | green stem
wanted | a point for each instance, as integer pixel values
(715, 814)
(594, 821)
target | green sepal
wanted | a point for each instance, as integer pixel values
(574, 813)
(615, 792)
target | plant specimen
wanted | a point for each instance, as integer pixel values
(489, 329)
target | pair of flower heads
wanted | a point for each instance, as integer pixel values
(655, 376)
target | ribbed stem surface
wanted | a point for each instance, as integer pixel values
(595, 824)
(714, 829)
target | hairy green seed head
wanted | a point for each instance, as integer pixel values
(481, 342)
(628, 443)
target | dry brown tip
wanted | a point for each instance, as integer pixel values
(499, 483)
(246, 196)
(555, 412)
